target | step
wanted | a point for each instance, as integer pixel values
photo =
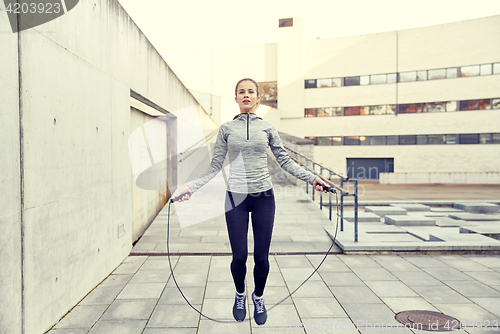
(413, 207)
(399, 220)
(383, 211)
(471, 207)
(363, 217)
(474, 216)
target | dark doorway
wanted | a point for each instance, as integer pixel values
(369, 168)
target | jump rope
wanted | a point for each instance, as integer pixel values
(329, 189)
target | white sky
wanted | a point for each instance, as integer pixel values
(203, 23)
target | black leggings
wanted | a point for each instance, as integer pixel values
(262, 207)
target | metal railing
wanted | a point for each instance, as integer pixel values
(343, 192)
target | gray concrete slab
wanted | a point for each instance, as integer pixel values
(118, 327)
(445, 209)
(473, 216)
(409, 220)
(385, 210)
(412, 207)
(475, 207)
(363, 217)
(440, 294)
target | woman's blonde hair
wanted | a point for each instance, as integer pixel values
(256, 86)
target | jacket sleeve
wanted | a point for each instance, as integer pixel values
(284, 159)
(220, 151)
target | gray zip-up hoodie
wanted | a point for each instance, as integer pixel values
(246, 139)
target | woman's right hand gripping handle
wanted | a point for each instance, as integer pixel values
(183, 195)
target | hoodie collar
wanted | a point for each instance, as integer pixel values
(252, 115)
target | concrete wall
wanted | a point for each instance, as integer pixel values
(147, 202)
(10, 187)
(77, 73)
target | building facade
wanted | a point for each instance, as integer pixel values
(417, 105)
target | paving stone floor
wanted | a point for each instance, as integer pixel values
(355, 293)
(348, 294)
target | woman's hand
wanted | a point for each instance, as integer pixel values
(186, 193)
(318, 183)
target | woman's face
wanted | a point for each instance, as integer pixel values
(246, 96)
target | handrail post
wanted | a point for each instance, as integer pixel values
(314, 169)
(307, 184)
(321, 193)
(356, 210)
(330, 198)
(342, 206)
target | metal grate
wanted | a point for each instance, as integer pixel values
(428, 321)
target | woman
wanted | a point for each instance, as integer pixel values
(246, 139)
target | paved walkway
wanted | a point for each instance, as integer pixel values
(349, 293)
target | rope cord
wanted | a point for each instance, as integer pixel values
(289, 295)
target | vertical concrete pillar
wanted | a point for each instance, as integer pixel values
(10, 182)
(291, 68)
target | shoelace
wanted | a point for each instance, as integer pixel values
(240, 302)
(259, 305)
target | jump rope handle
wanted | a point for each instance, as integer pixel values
(175, 199)
(329, 189)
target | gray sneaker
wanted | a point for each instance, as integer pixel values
(239, 308)
(260, 313)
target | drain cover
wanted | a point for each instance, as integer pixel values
(428, 321)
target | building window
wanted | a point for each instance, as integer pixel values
(485, 69)
(311, 83)
(407, 140)
(484, 104)
(436, 107)
(364, 80)
(324, 83)
(364, 110)
(351, 111)
(392, 140)
(421, 140)
(485, 138)
(286, 22)
(421, 75)
(336, 111)
(435, 139)
(451, 106)
(495, 103)
(412, 108)
(351, 81)
(495, 138)
(468, 138)
(269, 90)
(377, 140)
(469, 71)
(407, 76)
(311, 112)
(451, 73)
(353, 140)
(336, 141)
(336, 82)
(437, 74)
(496, 68)
(392, 78)
(450, 139)
(378, 79)
(324, 141)
(469, 105)
(324, 112)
